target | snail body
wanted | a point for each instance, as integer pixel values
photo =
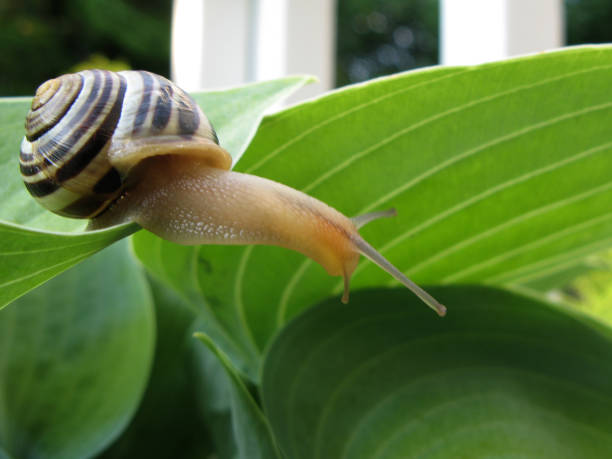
(133, 147)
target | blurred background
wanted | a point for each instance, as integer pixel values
(366, 38)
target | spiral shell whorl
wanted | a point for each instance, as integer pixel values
(52, 100)
(85, 131)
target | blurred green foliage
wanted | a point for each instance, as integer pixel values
(380, 37)
(40, 39)
(588, 21)
(592, 292)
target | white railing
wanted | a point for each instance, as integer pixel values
(219, 43)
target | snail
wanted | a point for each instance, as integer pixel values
(131, 146)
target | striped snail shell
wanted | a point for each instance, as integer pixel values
(133, 147)
(86, 130)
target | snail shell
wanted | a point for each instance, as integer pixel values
(86, 130)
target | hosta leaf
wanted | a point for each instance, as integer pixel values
(75, 356)
(498, 173)
(235, 113)
(501, 376)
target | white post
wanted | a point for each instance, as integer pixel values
(476, 31)
(218, 43)
(210, 43)
(296, 37)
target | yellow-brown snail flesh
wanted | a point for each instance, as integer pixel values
(132, 146)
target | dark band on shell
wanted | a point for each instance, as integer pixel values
(74, 120)
(143, 107)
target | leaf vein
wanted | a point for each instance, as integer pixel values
(559, 261)
(238, 298)
(361, 154)
(533, 244)
(48, 268)
(338, 116)
(496, 189)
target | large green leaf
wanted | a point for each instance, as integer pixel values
(498, 172)
(75, 356)
(32, 250)
(501, 376)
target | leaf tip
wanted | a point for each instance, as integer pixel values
(202, 337)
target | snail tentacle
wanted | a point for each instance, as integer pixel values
(371, 253)
(364, 219)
